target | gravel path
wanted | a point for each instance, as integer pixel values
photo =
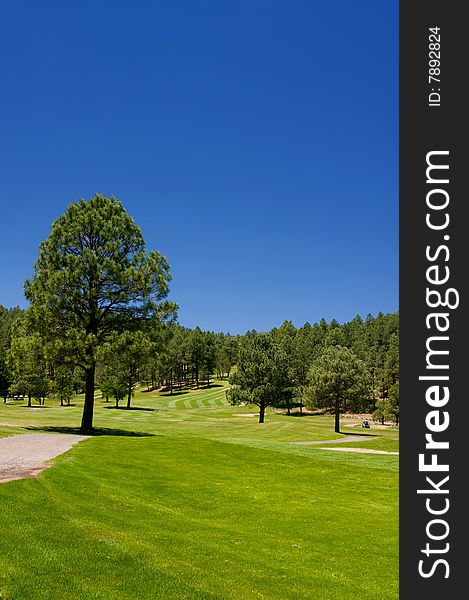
(27, 455)
(347, 438)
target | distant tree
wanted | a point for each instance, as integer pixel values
(285, 338)
(381, 335)
(336, 336)
(61, 386)
(196, 349)
(103, 373)
(8, 320)
(172, 363)
(387, 409)
(126, 354)
(262, 374)
(337, 377)
(159, 333)
(115, 387)
(379, 412)
(225, 354)
(209, 361)
(6, 378)
(354, 338)
(304, 352)
(93, 276)
(28, 363)
(391, 363)
(78, 380)
(392, 408)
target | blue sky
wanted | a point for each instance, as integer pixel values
(255, 142)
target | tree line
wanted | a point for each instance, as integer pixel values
(98, 316)
(168, 358)
(353, 367)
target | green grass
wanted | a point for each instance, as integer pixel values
(199, 503)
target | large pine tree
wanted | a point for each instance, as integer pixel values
(94, 276)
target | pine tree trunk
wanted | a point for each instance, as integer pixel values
(261, 413)
(129, 394)
(87, 418)
(337, 416)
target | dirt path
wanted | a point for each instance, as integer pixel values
(27, 455)
(347, 438)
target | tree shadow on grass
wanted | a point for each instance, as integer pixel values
(131, 408)
(370, 435)
(193, 388)
(93, 432)
(301, 414)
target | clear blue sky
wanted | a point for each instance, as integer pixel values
(254, 141)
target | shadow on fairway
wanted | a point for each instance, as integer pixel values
(131, 408)
(301, 414)
(201, 387)
(94, 432)
(370, 435)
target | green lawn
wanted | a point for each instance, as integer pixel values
(189, 500)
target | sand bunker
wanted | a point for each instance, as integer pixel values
(347, 438)
(359, 450)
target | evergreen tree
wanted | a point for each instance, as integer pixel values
(125, 354)
(262, 374)
(61, 386)
(28, 363)
(6, 378)
(336, 377)
(93, 277)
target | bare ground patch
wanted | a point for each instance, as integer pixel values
(245, 414)
(26, 455)
(360, 450)
(347, 438)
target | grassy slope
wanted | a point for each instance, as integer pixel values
(205, 505)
